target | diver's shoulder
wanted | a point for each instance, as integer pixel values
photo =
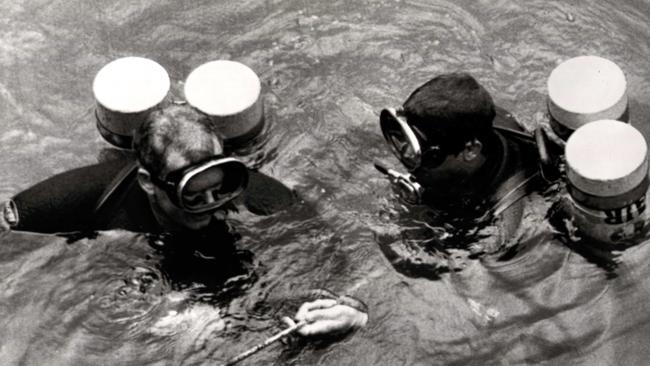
(265, 195)
(520, 144)
(506, 120)
(520, 168)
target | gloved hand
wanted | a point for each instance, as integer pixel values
(327, 317)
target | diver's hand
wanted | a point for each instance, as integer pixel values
(327, 317)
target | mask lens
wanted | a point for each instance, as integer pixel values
(432, 155)
(211, 185)
(401, 139)
(408, 156)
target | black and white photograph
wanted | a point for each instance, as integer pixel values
(336, 183)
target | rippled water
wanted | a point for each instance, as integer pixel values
(327, 69)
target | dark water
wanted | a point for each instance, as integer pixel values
(327, 69)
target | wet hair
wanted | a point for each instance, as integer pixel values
(179, 130)
(452, 109)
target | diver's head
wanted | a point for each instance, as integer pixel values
(443, 129)
(183, 170)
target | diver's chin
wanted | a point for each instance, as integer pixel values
(219, 215)
(197, 221)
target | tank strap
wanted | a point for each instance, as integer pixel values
(521, 181)
(123, 177)
(511, 131)
(520, 184)
(516, 186)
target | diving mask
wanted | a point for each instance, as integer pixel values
(411, 146)
(205, 186)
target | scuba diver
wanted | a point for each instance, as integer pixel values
(179, 183)
(182, 187)
(461, 151)
(465, 158)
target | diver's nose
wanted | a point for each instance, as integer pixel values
(209, 198)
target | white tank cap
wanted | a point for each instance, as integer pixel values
(228, 92)
(131, 85)
(606, 158)
(585, 89)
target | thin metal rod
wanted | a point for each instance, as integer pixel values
(266, 343)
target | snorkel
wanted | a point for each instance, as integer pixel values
(407, 186)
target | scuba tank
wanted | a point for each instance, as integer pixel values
(585, 89)
(126, 91)
(229, 93)
(607, 181)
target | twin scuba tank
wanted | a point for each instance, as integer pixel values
(605, 157)
(128, 89)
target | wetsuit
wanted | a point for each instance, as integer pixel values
(107, 196)
(515, 174)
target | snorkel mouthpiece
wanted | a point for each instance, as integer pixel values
(407, 187)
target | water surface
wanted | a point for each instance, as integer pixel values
(327, 69)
